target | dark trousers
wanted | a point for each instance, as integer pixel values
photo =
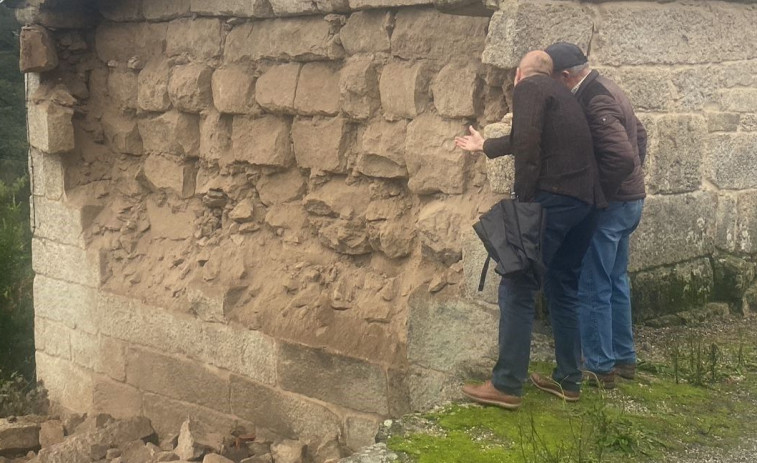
(570, 224)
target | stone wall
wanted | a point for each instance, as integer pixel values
(253, 212)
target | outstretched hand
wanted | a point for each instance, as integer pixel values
(472, 142)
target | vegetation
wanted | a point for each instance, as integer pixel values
(699, 395)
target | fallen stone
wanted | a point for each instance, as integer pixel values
(38, 52)
(18, 436)
(242, 212)
(288, 451)
(196, 441)
(215, 458)
(51, 432)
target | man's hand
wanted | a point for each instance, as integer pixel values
(472, 142)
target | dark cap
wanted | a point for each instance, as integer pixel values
(565, 55)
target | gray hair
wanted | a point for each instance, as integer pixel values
(575, 70)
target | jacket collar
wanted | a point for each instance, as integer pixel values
(587, 81)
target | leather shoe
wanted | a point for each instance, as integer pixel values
(603, 380)
(626, 370)
(488, 394)
(553, 387)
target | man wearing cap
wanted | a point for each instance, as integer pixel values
(620, 147)
(554, 166)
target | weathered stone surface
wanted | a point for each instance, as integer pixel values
(200, 39)
(649, 88)
(320, 144)
(169, 224)
(121, 42)
(382, 150)
(432, 160)
(51, 432)
(67, 303)
(664, 291)
(367, 4)
(366, 32)
(287, 414)
(360, 431)
(262, 141)
(675, 154)
(171, 133)
(244, 8)
(298, 8)
(439, 228)
(64, 262)
(275, 89)
(119, 11)
(682, 33)
(55, 220)
(317, 90)
(162, 172)
(47, 175)
(112, 358)
(730, 158)
(215, 136)
(215, 458)
(674, 229)
(299, 39)
(404, 89)
(474, 256)
(18, 436)
(746, 223)
(335, 199)
(190, 87)
(38, 53)
(116, 399)
(455, 91)
(153, 86)
(176, 378)
(242, 211)
(345, 237)
(122, 88)
(84, 349)
(121, 133)
(164, 9)
(427, 33)
(288, 451)
(281, 187)
(55, 338)
(732, 277)
(167, 416)
(428, 388)
(195, 440)
(233, 90)
(50, 127)
(67, 384)
(358, 88)
(346, 381)
(532, 24)
(722, 122)
(240, 350)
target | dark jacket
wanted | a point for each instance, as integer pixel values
(551, 142)
(620, 140)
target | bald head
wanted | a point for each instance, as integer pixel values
(536, 62)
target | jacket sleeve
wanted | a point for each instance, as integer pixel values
(529, 104)
(641, 140)
(496, 147)
(615, 154)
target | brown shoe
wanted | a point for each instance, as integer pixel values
(553, 387)
(488, 394)
(626, 370)
(605, 381)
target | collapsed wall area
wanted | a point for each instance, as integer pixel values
(253, 212)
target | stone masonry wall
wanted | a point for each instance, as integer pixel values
(253, 212)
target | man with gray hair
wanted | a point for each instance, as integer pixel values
(620, 148)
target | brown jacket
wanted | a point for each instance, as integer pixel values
(620, 140)
(551, 142)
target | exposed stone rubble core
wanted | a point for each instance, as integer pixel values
(253, 212)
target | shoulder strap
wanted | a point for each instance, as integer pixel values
(484, 271)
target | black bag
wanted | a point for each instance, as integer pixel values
(512, 233)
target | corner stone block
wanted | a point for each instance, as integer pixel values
(275, 89)
(65, 262)
(116, 399)
(152, 84)
(668, 290)
(67, 385)
(190, 87)
(299, 39)
(122, 41)
(47, 175)
(530, 25)
(433, 162)
(731, 158)
(68, 303)
(177, 378)
(382, 150)
(320, 144)
(50, 127)
(55, 337)
(358, 88)
(162, 172)
(672, 33)
(404, 89)
(317, 90)
(422, 33)
(454, 91)
(366, 32)
(248, 353)
(38, 53)
(122, 88)
(674, 228)
(345, 381)
(156, 10)
(171, 133)
(287, 414)
(261, 141)
(200, 39)
(233, 90)
(675, 154)
(54, 220)
(121, 133)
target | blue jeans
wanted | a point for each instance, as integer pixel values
(604, 292)
(568, 231)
